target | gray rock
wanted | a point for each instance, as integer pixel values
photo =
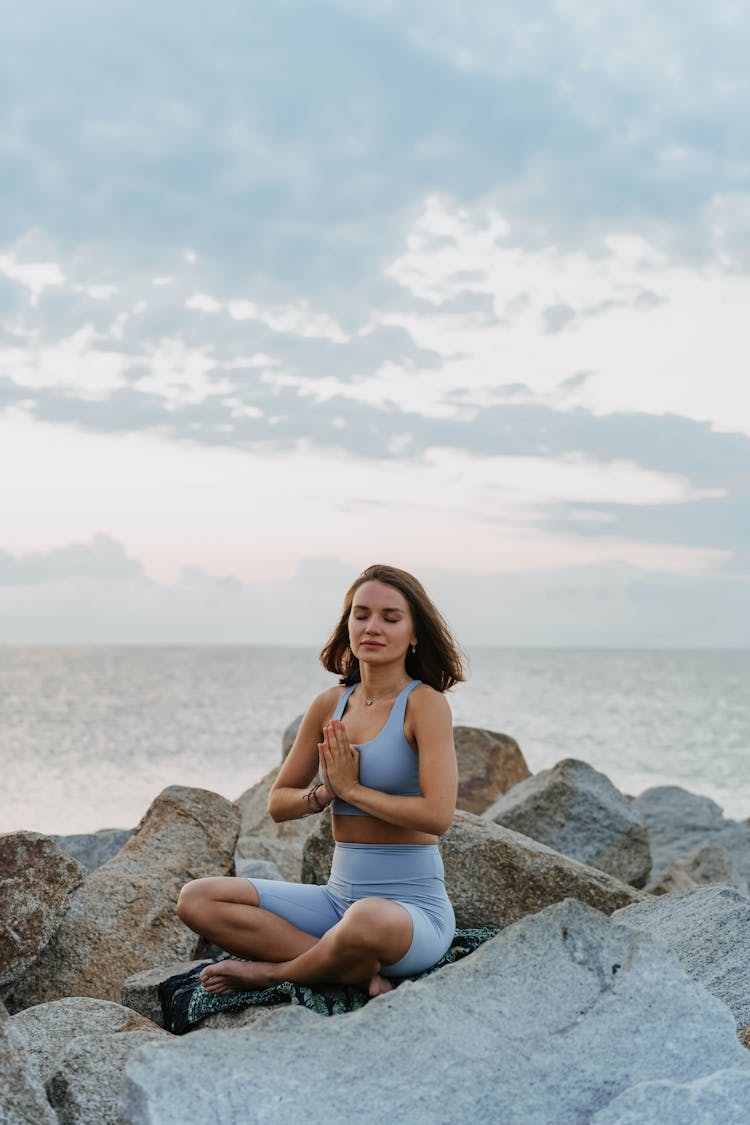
(284, 852)
(679, 822)
(47, 1029)
(721, 1098)
(261, 838)
(23, 1100)
(709, 932)
(576, 810)
(708, 864)
(488, 765)
(257, 869)
(36, 890)
(253, 806)
(548, 1022)
(318, 850)
(123, 918)
(140, 991)
(289, 735)
(245, 1017)
(494, 876)
(86, 1088)
(92, 849)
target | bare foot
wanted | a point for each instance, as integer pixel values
(378, 985)
(238, 976)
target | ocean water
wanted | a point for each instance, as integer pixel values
(89, 735)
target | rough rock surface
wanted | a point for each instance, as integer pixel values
(709, 931)
(709, 864)
(261, 838)
(576, 810)
(257, 869)
(86, 1087)
(289, 735)
(36, 889)
(547, 1022)
(495, 876)
(318, 850)
(284, 851)
(47, 1029)
(488, 765)
(92, 849)
(123, 918)
(22, 1097)
(245, 1017)
(253, 805)
(679, 822)
(721, 1098)
(744, 1037)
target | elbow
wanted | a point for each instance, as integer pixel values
(274, 811)
(440, 823)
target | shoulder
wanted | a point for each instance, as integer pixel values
(324, 704)
(427, 703)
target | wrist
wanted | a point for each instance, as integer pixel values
(351, 792)
(313, 803)
(325, 795)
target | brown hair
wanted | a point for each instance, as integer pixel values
(438, 660)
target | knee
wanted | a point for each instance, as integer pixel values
(191, 900)
(362, 925)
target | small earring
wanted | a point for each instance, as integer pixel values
(413, 649)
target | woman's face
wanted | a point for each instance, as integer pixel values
(381, 627)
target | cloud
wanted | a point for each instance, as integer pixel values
(288, 143)
(604, 604)
(419, 241)
(102, 560)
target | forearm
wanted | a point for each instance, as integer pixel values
(290, 803)
(418, 813)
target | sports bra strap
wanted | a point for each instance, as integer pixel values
(343, 702)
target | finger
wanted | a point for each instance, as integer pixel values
(338, 735)
(332, 741)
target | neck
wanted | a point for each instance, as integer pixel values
(382, 684)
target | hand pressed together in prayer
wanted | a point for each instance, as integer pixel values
(339, 760)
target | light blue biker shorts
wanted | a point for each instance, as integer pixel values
(409, 874)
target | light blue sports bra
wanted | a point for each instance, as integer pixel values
(387, 762)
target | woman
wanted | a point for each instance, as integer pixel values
(383, 746)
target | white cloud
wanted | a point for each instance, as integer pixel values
(659, 337)
(75, 362)
(101, 292)
(35, 276)
(179, 374)
(298, 319)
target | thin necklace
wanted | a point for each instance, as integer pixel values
(369, 702)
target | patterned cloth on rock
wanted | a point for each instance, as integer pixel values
(185, 1002)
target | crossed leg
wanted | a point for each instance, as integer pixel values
(373, 932)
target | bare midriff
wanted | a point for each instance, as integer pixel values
(370, 830)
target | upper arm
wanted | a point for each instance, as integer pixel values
(301, 763)
(432, 725)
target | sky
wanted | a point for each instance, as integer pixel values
(291, 288)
